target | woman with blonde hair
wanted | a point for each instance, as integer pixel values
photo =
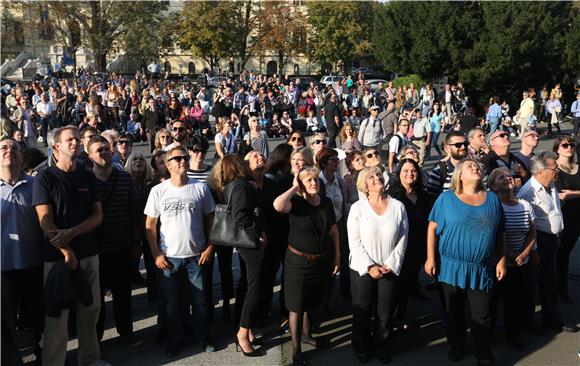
(307, 268)
(348, 138)
(162, 139)
(300, 159)
(256, 139)
(225, 141)
(465, 233)
(377, 236)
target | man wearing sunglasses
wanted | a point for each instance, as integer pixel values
(176, 202)
(124, 148)
(500, 156)
(439, 179)
(179, 135)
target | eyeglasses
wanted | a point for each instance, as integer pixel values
(297, 139)
(198, 151)
(180, 129)
(459, 145)
(502, 135)
(179, 158)
(372, 154)
(556, 169)
(568, 146)
(316, 142)
(124, 142)
(533, 135)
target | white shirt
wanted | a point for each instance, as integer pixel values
(375, 239)
(396, 144)
(546, 205)
(334, 193)
(181, 211)
(46, 108)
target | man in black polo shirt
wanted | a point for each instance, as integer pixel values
(333, 119)
(68, 206)
(115, 236)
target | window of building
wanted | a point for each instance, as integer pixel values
(191, 68)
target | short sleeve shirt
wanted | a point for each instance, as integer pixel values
(71, 196)
(181, 211)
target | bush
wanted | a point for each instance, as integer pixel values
(406, 80)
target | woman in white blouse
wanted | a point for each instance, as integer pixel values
(377, 233)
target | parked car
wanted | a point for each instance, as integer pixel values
(330, 79)
(374, 83)
(363, 70)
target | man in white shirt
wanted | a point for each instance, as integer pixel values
(45, 110)
(398, 141)
(421, 133)
(541, 193)
(371, 129)
(185, 207)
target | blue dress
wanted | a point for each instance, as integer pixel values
(467, 237)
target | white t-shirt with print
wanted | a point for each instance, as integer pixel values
(181, 211)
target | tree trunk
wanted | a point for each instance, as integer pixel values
(280, 64)
(100, 61)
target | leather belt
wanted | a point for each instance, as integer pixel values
(304, 255)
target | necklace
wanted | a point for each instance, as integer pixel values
(567, 168)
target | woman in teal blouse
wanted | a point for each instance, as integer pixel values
(466, 250)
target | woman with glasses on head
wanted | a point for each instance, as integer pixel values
(348, 138)
(466, 250)
(225, 141)
(568, 185)
(408, 187)
(232, 178)
(377, 233)
(520, 234)
(355, 162)
(256, 139)
(162, 139)
(296, 140)
(313, 241)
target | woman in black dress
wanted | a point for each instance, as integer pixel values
(408, 188)
(307, 267)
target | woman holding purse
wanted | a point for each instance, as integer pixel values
(233, 178)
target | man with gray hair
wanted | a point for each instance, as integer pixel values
(541, 193)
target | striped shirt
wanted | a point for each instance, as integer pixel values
(518, 220)
(119, 201)
(435, 182)
(200, 175)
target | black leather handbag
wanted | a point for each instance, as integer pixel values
(225, 232)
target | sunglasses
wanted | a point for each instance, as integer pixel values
(197, 151)
(316, 142)
(179, 158)
(372, 154)
(459, 145)
(297, 139)
(533, 135)
(124, 142)
(568, 146)
(502, 135)
(180, 129)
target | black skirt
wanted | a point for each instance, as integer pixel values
(305, 281)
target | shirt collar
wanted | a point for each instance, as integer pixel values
(537, 186)
(24, 178)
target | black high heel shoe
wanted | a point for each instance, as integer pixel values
(258, 342)
(254, 353)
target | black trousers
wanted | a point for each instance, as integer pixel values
(567, 242)
(10, 354)
(514, 290)
(369, 294)
(548, 277)
(115, 274)
(576, 127)
(333, 134)
(248, 292)
(480, 306)
(549, 122)
(344, 277)
(224, 257)
(23, 289)
(273, 258)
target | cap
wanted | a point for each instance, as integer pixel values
(375, 107)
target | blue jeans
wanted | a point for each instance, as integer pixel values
(493, 124)
(184, 282)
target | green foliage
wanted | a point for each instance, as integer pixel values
(341, 30)
(208, 30)
(406, 80)
(495, 48)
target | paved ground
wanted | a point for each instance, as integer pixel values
(426, 345)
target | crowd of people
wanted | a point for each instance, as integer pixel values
(354, 204)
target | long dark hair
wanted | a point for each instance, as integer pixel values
(397, 188)
(279, 160)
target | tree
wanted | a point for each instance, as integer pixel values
(282, 30)
(246, 21)
(341, 30)
(206, 30)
